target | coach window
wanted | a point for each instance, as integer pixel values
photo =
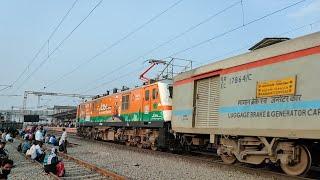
(125, 102)
(154, 93)
(147, 94)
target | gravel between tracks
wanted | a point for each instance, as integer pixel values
(142, 165)
(24, 168)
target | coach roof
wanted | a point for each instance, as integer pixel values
(296, 44)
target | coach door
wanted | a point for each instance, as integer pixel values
(207, 102)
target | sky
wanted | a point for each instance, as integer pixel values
(90, 54)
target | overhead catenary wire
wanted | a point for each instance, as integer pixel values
(45, 43)
(191, 28)
(59, 45)
(242, 11)
(250, 44)
(106, 49)
(300, 27)
(112, 80)
(5, 87)
(108, 82)
(215, 37)
(246, 24)
(224, 54)
(269, 14)
(234, 29)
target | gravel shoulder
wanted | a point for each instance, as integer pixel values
(143, 165)
(24, 168)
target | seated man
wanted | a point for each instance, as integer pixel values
(40, 152)
(53, 140)
(36, 152)
(50, 161)
(3, 152)
(6, 166)
(3, 135)
(25, 145)
(9, 138)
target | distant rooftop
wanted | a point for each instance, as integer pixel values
(64, 107)
(267, 42)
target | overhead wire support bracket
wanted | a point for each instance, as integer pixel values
(39, 94)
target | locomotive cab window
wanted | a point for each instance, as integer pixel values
(170, 91)
(125, 102)
(154, 93)
(147, 94)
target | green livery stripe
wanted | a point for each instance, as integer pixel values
(131, 117)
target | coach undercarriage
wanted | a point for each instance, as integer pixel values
(293, 157)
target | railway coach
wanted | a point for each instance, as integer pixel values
(259, 107)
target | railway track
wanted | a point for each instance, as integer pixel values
(79, 169)
(215, 160)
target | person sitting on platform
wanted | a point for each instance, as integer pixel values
(3, 135)
(47, 138)
(6, 166)
(25, 145)
(3, 152)
(53, 140)
(50, 161)
(9, 138)
(36, 152)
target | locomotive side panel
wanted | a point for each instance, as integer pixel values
(144, 104)
(138, 117)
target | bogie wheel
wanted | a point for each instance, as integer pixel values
(228, 159)
(299, 168)
(154, 147)
(140, 145)
(128, 143)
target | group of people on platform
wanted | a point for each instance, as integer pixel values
(32, 147)
(6, 164)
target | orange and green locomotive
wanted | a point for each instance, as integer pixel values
(134, 116)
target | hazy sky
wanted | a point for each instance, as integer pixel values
(26, 25)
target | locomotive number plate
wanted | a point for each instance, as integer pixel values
(286, 86)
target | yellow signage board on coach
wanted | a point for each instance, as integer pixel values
(286, 86)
